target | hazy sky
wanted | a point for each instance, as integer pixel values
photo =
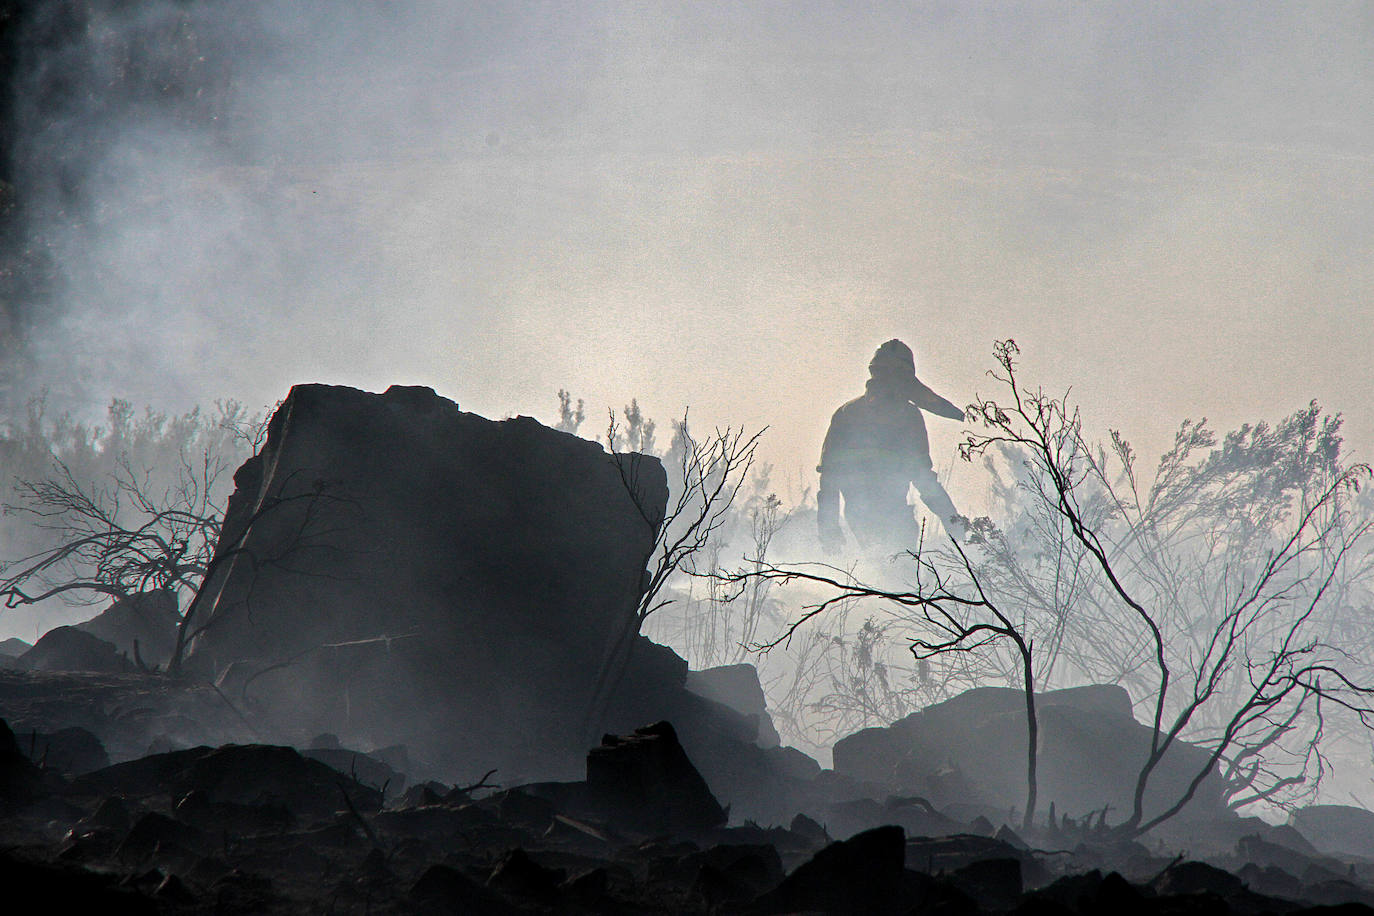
(722, 205)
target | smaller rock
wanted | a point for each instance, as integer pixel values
(426, 793)
(1006, 835)
(112, 812)
(143, 624)
(995, 884)
(84, 843)
(448, 889)
(1196, 878)
(517, 875)
(20, 781)
(809, 830)
(365, 768)
(1270, 880)
(174, 890)
(72, 751)
(514, 806)
(242, 892)
(861, 875)
(734, 872)
(1089, 892)
(738, 687)
(645, 782)
(792, 763)
(13, 647)
(587, 888)
(158, 833)
(70, 649)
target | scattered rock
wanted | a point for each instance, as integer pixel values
(972, 747)
(1196, 878)
(994, 884)
(951, 853)
(148, 619)
(364, 768)
(20, 781)
(254, 775)
(158, 834)
(809, 830)
(1336, 829)
(448, 890)
(111, 813)
(14, 647)
(72, 751)
(61, 889)
(861, 875)
(71, 649)
(646, 782)
(738, 687)
(516, 806)
(418, 796)
(517, 875)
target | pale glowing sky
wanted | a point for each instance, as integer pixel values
(728, 206)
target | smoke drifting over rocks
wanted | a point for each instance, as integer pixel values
(719, 204)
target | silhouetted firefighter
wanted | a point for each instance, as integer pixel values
(875, 449)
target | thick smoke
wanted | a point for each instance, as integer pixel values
(720, 205)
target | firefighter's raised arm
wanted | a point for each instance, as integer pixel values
(931, 402)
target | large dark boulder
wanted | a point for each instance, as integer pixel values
(397, 571)
(971, 750)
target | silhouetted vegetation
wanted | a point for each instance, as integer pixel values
(705, 476)
(1221, 594)
(114, 510)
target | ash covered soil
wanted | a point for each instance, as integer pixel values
(254, 827)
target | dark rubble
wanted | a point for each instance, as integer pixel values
(256, 828)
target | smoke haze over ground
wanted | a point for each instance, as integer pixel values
(718, 205)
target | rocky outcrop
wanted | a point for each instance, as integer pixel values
(970, 750)
(397, 571)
